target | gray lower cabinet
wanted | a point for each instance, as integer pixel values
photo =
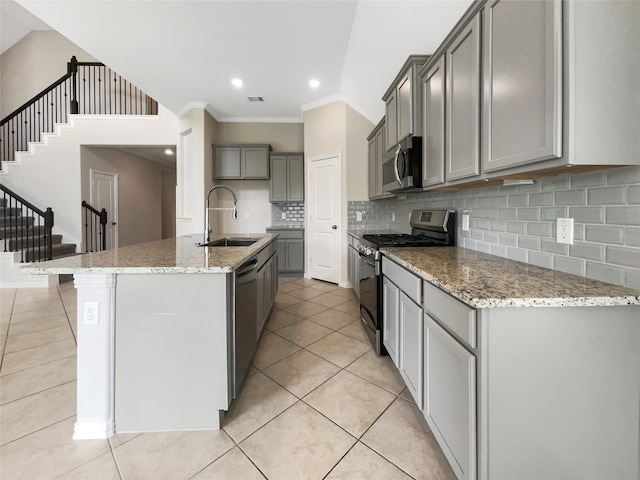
(522, 101)
(267, 288)
(354, 264)
(403, 324)
(290, 246)
(450, 378)
(462, 96)
(390, 318)
(287, 178)
(241, 161)
(411, 346)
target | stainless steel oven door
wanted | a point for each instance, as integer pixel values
(369, 300)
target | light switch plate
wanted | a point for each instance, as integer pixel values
(358, 216)
(465, 222)
(565, 231)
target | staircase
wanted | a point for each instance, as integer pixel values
(23, 241)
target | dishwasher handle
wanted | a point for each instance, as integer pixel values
(247, 269)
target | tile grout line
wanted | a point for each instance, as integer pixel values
(66, 312)
(6, 339)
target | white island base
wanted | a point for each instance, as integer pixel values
(158, 357)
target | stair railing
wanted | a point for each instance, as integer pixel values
(95, 228)
(26, 228)
(88, 88)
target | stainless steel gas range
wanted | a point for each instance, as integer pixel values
(429, 228)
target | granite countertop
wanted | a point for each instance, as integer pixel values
(285, 227)
(486, 281)
(359, 232)
(172, 255)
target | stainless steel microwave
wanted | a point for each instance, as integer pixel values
(403, 172)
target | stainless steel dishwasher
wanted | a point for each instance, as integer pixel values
(246, 308)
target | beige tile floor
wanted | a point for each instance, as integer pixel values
(317, 404)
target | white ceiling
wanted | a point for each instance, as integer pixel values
(185, 53)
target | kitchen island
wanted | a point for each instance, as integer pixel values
(520, 371)
(156, 331)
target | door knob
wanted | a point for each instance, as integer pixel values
(113, 223)
(334, 226)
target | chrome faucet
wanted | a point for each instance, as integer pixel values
(207, 231)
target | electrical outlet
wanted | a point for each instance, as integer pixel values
(284, 216)
(358, 216)
(565, 231)
(465, 222)
(393, 216)
(246, 215)
(91, 313)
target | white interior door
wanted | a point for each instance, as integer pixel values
(323, 218)
(104, 194)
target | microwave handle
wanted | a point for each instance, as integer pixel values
(395, 166)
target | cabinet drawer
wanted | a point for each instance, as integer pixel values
(409, 283)
(455, 316)
(285, 234)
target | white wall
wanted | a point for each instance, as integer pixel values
(50, 175)
(358, 129)
(32, 64)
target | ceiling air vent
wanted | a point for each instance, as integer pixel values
(256, 99)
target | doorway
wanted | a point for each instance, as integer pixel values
(104, 194)
(324, 217)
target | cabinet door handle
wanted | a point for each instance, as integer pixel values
(334, 226)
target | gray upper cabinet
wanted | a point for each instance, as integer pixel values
(522, 98)
(462, 100)
(377, 157)
(402, 103)
(391, 116)
(287, 178)
(241, 161)
(433, 125)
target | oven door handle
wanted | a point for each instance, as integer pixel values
(372, 263)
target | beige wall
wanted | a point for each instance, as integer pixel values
(169, 182)
(253, 195)
(338, 129)
(32, 64)
(358, 129)
(283, 137)
(140, 201)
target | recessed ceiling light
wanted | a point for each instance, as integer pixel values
(237, 82)
(168, 151)
(314, 83)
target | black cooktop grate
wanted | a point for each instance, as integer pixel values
(399, 240)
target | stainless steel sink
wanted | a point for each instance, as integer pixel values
(231, 242)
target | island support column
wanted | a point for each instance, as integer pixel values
(96, 361)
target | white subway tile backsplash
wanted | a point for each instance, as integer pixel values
(569, 265)
(571, 197)
(541, 199)
(602, 234)
(587, 214)
(606, 196)
(520, 221)
(588, 251)
(623, 215)
(623, 256)
(632, 237)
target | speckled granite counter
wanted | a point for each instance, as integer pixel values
(358, 233)
(485, 281)
(172, 255)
